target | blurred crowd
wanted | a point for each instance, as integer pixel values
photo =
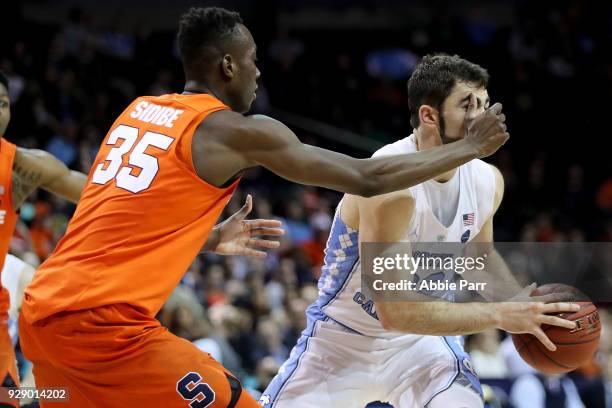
(69, 81)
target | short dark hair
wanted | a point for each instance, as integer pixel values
(202, 26)
(4, 80)
(434, 78)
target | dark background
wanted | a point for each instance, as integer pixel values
(336, 72)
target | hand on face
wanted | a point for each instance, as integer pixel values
(486, 131)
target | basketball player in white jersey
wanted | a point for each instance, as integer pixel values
(16, 274)
(355, 350)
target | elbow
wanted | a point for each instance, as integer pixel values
(370, 186)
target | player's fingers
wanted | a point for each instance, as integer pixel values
(540, 335)
(528, 290)
(501, 117)
(263, 243)
(264, 223)
(495, 109)
(560, 307)
(267, 231)
(555, 297)
(247, 207)
(557, 321)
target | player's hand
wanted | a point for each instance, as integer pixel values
(485, 132)
(525, 314)
(237, 236)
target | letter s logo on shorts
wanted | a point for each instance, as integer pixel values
(199, 394)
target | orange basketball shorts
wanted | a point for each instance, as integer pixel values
(115, 356)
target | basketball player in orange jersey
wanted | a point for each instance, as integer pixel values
(21, 172)
(24, 170)
(164, 173)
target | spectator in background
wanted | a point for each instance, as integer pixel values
(534, 390)
(545, 391)
(486, 359)
(63, 144)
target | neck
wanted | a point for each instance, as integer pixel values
(193, 86)
(426, 141)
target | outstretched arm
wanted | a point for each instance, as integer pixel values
(226, 143)
(35, 168)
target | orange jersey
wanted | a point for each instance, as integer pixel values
(8, 216)
(143, 217)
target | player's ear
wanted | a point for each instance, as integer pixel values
(227, 66)
(428, 115)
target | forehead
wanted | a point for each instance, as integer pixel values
(3, 91)
(243, 41)
(461, 90)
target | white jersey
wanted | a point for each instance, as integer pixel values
(471, 191)
(11, 275)
(344, 357)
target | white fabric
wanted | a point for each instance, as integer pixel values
(456, 397)
(515, 363)
(11, 275)
(211, 347)
(443, 198)
(528, 392)
(342, 369)
(488, 365)
(476, 181)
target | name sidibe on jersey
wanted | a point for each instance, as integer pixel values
(158, 115)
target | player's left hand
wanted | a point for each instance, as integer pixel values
(238, 236)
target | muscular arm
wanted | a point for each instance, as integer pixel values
(501, 283)
(386, 218)
(227, 143)
(36, 168)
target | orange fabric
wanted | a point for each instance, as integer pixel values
(117, 356)
(8, 220)
(8, 366)
(8, 216)
(130, 242)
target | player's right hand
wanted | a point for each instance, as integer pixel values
(525, 313)
(485, 132)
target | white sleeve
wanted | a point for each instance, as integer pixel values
(401, 146)
(527, 392)
(387, 150)
(11, 273)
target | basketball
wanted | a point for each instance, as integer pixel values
(574, 347)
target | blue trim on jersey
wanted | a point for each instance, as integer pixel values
(460, 356)
(341, 257)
